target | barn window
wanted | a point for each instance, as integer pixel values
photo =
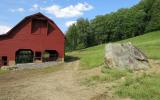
(50, 28)
(39, 26)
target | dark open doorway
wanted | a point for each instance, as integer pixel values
(24, 56)
(4, 61)
(38, 56)
(50, 55)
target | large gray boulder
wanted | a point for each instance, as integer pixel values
(125, 56)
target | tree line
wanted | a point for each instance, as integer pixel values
(122, 24)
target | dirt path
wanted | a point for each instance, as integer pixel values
(59, 85)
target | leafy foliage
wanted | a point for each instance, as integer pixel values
(123, 24)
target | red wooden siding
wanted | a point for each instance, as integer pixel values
(35, 32)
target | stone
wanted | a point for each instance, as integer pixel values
(8, 68)
(4, 68)
(125, 55)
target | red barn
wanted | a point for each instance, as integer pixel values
(35, 38)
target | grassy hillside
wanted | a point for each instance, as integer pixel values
(93, 57)
(148, 43)
(143, 86)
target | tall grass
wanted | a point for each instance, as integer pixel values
(146, 87)
(108, 75)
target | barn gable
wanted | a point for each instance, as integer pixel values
(42, 20)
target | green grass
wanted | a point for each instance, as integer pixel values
(112, 74)
(146, 87)
(108, 75)
(3, 71)
(92, 57)
(148, 43)
(143, 87)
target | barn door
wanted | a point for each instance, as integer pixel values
(50, 55)
(24, 56)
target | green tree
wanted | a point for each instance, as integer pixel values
(71, 38)
(84, 33)
(154, 22)
(122, 24)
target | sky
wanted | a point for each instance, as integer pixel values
(63, 12)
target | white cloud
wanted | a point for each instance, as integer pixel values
(34, 7)
(69, 11)
(4, 29)
(20, 9)
(69, 23)
(17, 10)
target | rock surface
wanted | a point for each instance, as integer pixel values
(125, 56)
(29, 66)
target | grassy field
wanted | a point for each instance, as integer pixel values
(145, 87)
(93, 57)
(148, 43)
(138, 87)
(90, 57)
(108, 75)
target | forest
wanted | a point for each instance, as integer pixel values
(122, 24)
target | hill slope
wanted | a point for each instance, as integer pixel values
(93, 56)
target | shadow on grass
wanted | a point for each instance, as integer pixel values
(68, 58)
